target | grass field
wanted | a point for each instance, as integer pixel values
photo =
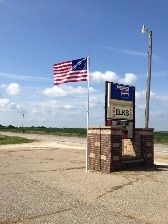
(4, 140)
(159, 137)
(80, 132)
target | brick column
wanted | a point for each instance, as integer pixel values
(147, 146)
(116, 150)
(146, 142)
(105, 149)
(94, 149)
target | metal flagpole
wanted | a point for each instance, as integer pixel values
(145, 30)
(148, 80)
(88, 58)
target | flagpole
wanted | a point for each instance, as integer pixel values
(88, 58)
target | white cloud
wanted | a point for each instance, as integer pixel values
(97, 100)
(154, 95)
(13, 106)
(164, 98)
(140, 107)
(51, 106)
(35, 78)
(106, 76)
(160, 114)
(4, 104)
(3, 86)
(13, 89)
(134, 53)
(68, 107)
(129, 79)
(54, 91)
(93, 101)
(140, 95)
(137, 53)
(124, 51)
(65, 90)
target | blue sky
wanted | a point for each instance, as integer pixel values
(35, 34)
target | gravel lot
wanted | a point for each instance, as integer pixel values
(45, 182)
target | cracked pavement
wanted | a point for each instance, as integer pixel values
(45, 182)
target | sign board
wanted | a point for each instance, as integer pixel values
(122, 92)
(120, 107)
(119, 101)
(122, 112)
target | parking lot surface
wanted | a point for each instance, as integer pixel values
(45, 182)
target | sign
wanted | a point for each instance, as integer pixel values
(120, 107)
(120, 101)
(122, 92)
(119, 112)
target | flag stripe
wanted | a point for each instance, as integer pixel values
(62, 70)
(62, 63)
(71, 77)
(65, 81)
(70, 71)
(69, 74)
(62, 67)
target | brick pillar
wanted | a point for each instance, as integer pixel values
(145, 145)
(105, 146)
(116, 150)
(105, 149)
(94, 149)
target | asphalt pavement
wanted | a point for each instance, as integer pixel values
(45, 182)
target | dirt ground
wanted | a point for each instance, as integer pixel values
(45, 182)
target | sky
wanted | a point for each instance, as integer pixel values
(35, 34)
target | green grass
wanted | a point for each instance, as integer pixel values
(79, 132)
(5, 140)
(161, 137)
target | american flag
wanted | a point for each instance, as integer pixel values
(70, 71)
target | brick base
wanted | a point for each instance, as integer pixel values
(106, 148)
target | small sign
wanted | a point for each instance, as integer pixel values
(119, 112)
(122, 92)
